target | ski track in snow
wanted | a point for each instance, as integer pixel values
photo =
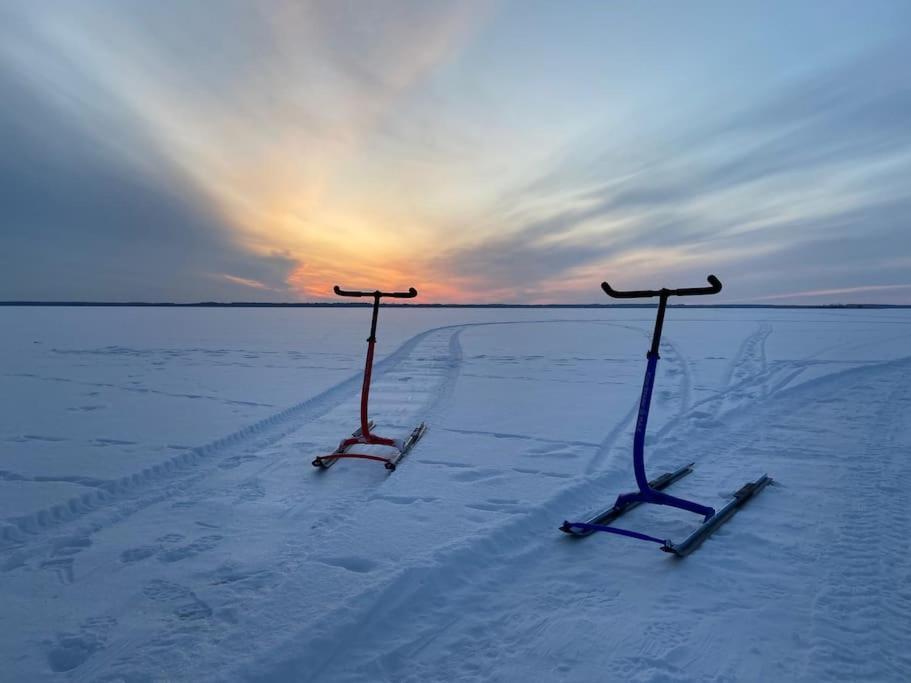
(870, 596)
(35, 540)
(223, 452)
(460, 608)
(490, 602)
(419, 373)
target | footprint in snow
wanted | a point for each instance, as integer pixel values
(170, 538)
(143, 552)
(180, 599)
(360, 565)
(70, 650)
(132, 555)
(183, 552)
(71, 545)
(475, 475)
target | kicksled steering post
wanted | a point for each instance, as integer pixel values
(363, 435)
(652, 492)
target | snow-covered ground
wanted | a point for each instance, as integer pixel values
(160, 519)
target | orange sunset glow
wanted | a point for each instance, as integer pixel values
(480, 151)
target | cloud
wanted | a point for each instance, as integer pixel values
(162, 150)
(246, 282)
(842, 290)
(203, 142)
(81, 220)
(815, 174)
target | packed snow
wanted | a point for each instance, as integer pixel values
(160, 518)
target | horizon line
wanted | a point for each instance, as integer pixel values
(358, 304)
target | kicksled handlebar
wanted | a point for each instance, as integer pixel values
(664, 292)
(410, 294)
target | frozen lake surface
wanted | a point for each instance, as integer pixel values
(160, 519)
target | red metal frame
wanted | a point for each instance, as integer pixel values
(366, 437)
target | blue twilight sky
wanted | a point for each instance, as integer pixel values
(480, 151)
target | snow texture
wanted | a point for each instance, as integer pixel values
(160, 519)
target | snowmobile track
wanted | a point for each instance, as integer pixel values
(480, 580)
(158, 482)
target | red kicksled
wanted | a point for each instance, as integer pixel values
(363, 435)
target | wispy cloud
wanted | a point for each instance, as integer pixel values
(246, 282)
(250, 114)
(830, 292)
(81, 221)
(803, 176)
(476, 150)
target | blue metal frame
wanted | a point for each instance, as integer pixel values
(653, 492)
(645, 494)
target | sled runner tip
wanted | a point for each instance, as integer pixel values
(708, 527)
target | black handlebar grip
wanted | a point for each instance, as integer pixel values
(631, 294)
(698, 291)
(410, 294)
(342, 292)
(643, 293)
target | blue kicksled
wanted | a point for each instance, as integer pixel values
(653, 491)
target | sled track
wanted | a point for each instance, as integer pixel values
(422, 375)
(458, 578)
(162, 480)
(467, 578)
(463, 577)
(750, 360)
(870, 595)
(259, 435)
(438, 350)
(679, 365)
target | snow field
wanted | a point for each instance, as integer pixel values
(234, 558)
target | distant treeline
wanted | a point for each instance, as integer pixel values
(245, 304)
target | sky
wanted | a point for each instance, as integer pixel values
(480, 151)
